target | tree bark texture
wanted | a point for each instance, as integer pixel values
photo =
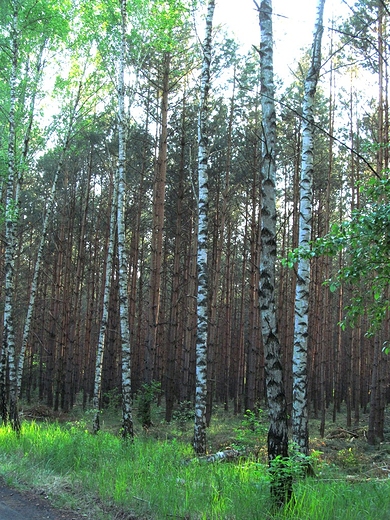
(11, 221)
(281, 485)
(127, 419)
(301, 322)
(156, 259)
(106, 308)
(202, 233)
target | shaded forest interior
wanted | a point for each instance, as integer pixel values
(346, 366)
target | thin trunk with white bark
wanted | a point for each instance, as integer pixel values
(300, 406)
(203, 195)
(106, 308)
(11, 220)
(127, 419)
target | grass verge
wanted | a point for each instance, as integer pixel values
(159, 478)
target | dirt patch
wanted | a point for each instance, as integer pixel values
(27, 505)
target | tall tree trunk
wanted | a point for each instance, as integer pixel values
(300, 407)
(281, 484)
(217, 350)
(326, 323)
(11, 220)
(46, 223)
(175, 331)
(157, 231)
(253, 342)
(106, 307)
(127, 419)
(189, 338)
(202, 233)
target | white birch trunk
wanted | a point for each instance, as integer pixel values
(11, 220)
(281, 485)
(202, 325)
(106, 305)
(127, 419)
(300, 411)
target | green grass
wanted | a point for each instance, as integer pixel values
(159, 478)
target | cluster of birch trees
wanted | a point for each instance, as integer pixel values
(136, 238)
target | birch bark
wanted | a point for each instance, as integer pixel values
(281, 483)
(11, 219)
(202, 299)
(127, 419)
(106, 308)
(300, 429)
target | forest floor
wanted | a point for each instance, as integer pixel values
(30, 505)
(345, 449)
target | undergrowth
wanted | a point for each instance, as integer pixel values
(158, 477)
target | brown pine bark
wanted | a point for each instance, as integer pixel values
(175, 330)
(158, 206)
(189, 338)
(254, 334)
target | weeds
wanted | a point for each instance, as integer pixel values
(146, 396)
(252, 430)
(348, 459)
(185, 412)
(160, 478)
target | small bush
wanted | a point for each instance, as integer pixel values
(252, 431)
(184, 413)
(145, 398)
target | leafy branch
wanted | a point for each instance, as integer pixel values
(364, 243)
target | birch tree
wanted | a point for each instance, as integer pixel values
(202, 299)
(11, 211)
(106, 307)
(300, 407)
(281, 485)
(27, 29)
(127, 419)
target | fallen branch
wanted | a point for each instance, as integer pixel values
(219, 456)
(342, 432)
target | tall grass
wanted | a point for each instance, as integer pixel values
(161, 479)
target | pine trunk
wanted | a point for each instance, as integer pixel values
(157, 232)
(46, 223)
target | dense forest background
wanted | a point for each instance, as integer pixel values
(59, 156)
